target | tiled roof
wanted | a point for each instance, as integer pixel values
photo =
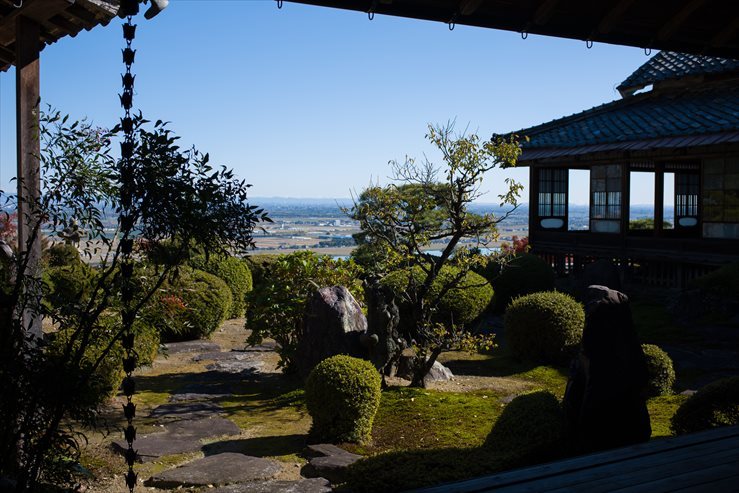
(666, 114)
(670, 65)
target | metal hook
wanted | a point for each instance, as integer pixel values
(279, 4)
(589, 43)
(647, 51)
(371, 11)
(19, 4)
(370, 15)
(452, 21)
(524, 34)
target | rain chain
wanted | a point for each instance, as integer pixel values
(129, 8)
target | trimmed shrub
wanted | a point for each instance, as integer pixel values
(235, 272)
(659, 367)
(530, 429)
(724, 281)
(544, 327)
(190, 307)
(60, 254)
(460, 305)
(68, 284)
(713, 406)
(342, 395)
(260, 265)
(522, 274)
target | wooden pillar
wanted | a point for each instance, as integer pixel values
(27, 46)
(533, 202)
(625, 198)
(659, 198)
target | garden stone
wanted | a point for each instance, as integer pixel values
(264, 347)
(217, 470)
(191, 347)
(438, 373)
(221, 356)
(191, 410)
(191, 396)
(333, 324)
(242, 366)
(383, 319)
(314, 485)
(331, 462)
(179, 437)
(601, 273)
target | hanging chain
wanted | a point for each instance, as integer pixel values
(129, 8)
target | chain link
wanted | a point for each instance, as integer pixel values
(126, 227)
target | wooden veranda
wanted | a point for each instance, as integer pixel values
(701, 462)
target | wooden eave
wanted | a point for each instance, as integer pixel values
(691, 26)
(56, 18)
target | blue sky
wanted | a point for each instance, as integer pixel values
(313, 102)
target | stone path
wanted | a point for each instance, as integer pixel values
(193, 422)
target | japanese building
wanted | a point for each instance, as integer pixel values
(676, 126)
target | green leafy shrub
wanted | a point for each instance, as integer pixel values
(342, 395)
(260, 266)
(60, 254)
(724, 281)
(460, 305)
(276, 308)
(530, 429)
(713, 406)
(192, 306)
(522, 274)
(661, 372)
(544, 327)
(235, 272)
(68, 285)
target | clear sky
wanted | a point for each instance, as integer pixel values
(313, 102)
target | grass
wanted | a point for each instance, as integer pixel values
(655, 325)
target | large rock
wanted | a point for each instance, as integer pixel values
(314, 485)
(217, 470)
(333, 324)
(438, 372)
(602, 272)
(329, 461)
(383, 320)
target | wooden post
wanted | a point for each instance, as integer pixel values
(533, 203)
(28, 149)
(625, 199)
(659, 198)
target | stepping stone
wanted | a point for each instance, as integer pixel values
(314, 485)
(264, 347)
(246, 366)
(186, 410)
(331, 462)
(217, 470)
(221, 356)
(179, 437)
(191, 396)
(191, 347)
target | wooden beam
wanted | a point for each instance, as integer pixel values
(678, 19)
(612, 17)
(6, 55)
(27, 86)
(468, 7)
(545, 12)
(37, 10)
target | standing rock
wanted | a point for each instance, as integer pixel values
(333, 324)
(383, 319)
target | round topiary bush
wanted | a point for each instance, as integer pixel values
(68, 284)
(460, 305)
(713, 406)
(544, 327)
(60, 254)
(259, 265)
(342, 395)
(513, 277)
(659, 367)
(191, 307)
(531, 428)
(234, 272)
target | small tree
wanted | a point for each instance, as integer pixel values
(173, 194)
(428, 206)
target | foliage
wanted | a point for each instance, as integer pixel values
(174, 193)
(647, 223)
(276, 309)
(342, 395)
(517, 275)
(234, 272)
(426, 206)
(544, 327)
(715, 405)
(461, 304)
(661, 372)
(517, 245)
(68, 285)
(260, 266)
(724, 281)
(531, 428)
(60, 254)
(192, 306)
(8, 226)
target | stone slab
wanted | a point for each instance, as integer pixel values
(221, 356)
(217, 470)
(186, 410)
(265, 346)
(191, 347)
(240, 367)
(328, 449)
(314, 485)
(331, 462)
(179, 437)
(194, 396)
